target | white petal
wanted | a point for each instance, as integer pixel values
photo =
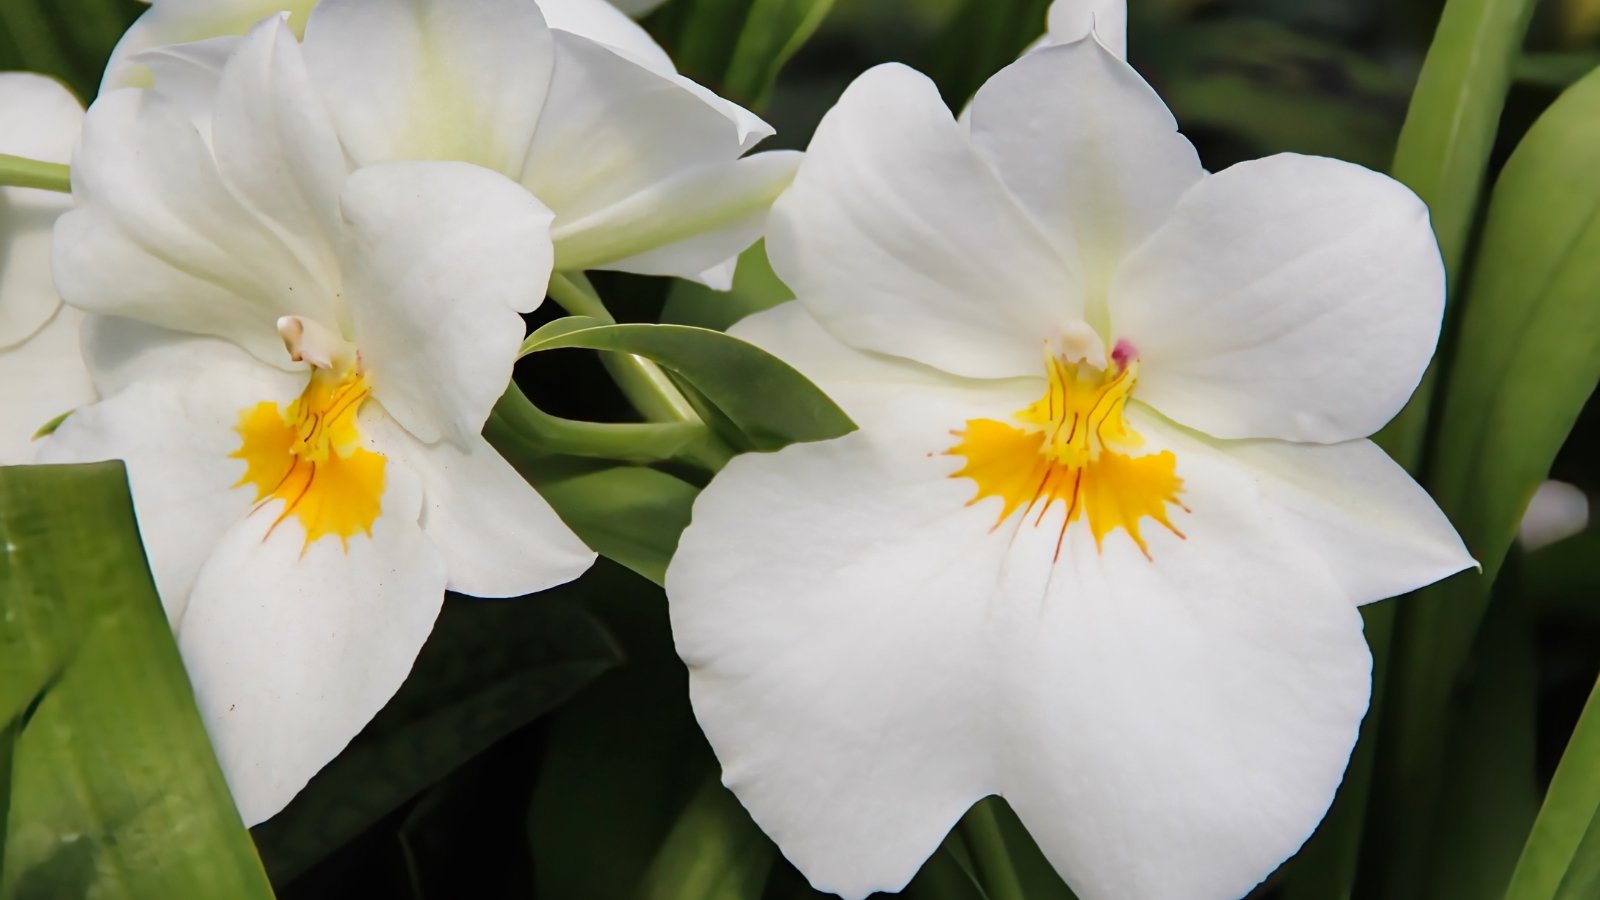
(177, 434)
(1291, 297)
(1073, 20)
(442, 258)
(159, 236)
(1176, 727)
(613, 128)
(600, 21)
(1378, 530)
(292, 650)
(39, 119)
(276, 148)
(188, 75)
(432, 79)
(1557, 511)
(831, 600)
(1089, 149)
(497, 536)
(873, 389)
(181, 21)
(42, 377)
(900, 239)
(683, 225)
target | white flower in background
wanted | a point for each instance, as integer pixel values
(296, 364)
(1099, 543)
(41, 371)
(1556, 512)
(644, 169)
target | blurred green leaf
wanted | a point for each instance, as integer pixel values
(755, 288)
(1277, 90)
(738, 46)
(631, 515)
(1490, 793)
(489, 667)
(713, 852)
(113, 791)
(69, 41)
(981, 38)
(773, 32)
(1526, 360)
(622, 761)
(769, 403)
(1556, 70)
(1444, 151)
(1562, 858)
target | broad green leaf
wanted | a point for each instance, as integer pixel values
(755, 288)
(1444, 150)
(114, 792)
(1276, 90)
(490, 667)
(622, 760)
(69, 41)
(1562, 856)
(1526, 360)
(631, 515)
(769, 403)
(713, 852)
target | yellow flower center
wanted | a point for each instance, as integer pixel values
(1074, 445)
(309, 456)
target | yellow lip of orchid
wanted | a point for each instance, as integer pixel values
(309, 454)
(1074, 446)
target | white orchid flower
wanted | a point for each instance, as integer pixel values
(41, 369)
(1099, 543)
(296, 365)
(644, 169)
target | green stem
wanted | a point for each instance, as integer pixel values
(636, 442)
(988, 845)
(19, 171)
(642, 381)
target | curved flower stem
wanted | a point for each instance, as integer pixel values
(988, 846)
(642, 381)
(637, 442)
(19, 171)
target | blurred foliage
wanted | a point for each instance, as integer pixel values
(109, 787)
(482, 772)
(68, 40)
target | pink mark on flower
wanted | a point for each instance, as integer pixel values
(1124, 353)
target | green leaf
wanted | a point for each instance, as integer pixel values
(622, 761)
(713, 852)
(1526, 360)
(981, 38)
(773, 31)
(1562, 857)
(114, 792)
(69, 41)
(755, 288)
(738, 46)
(490, 667)
(770, 404)
(1490, 793)
(1445, 145)
(631, 515)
